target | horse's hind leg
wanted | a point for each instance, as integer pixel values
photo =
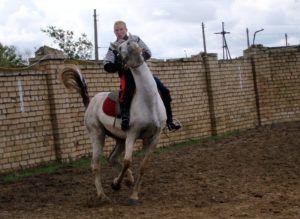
(113, 160)
(97, 136)
(130, 140)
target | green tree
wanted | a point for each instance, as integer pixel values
(80, 49)
(9, 57)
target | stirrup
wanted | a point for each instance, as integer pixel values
(125, 123)
(175, 122)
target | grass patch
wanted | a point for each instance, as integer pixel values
(29, 172)
(85, 162)
(48, 168)
(189, 143)
(195, 142)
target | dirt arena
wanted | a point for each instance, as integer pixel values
(254, 174)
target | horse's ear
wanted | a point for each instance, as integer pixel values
(130, 36)
(113, 46)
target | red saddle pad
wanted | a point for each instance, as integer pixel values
(109, 107)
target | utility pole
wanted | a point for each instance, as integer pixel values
(247, 32)
(96, 36)
(203, 35)
(225, 46)
(185, 54)
(286, 39)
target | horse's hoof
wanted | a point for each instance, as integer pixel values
(116, 187)
(104, 199)
(97, 201)
(134, 202)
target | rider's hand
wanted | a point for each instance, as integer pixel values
(110, 67)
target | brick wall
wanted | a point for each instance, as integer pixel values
(278, 83)
(40, 121)
(233, 94)
(26, 131)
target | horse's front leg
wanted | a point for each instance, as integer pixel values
(129, 143)
(148, 147)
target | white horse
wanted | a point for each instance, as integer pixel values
(147, 113)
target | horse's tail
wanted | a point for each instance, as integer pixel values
(73, 79)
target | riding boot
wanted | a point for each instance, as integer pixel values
(170, 123)
(125, 116)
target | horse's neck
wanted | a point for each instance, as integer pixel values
(147, 104)
(145, 83)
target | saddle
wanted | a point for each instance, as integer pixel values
(111, 105)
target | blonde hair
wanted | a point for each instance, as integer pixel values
(120, 22)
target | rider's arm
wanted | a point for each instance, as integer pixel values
(110, 64)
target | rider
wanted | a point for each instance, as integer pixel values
(113, 63)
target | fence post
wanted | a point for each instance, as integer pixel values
(255, 90)
(54, 121)
(210, 95)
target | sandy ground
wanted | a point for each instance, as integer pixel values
(255, 174)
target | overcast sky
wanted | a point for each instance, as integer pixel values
(171, 28)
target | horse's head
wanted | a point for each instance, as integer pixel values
(130, 52)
